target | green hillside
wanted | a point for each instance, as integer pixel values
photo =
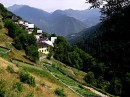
(109, 42)
(21, 77)
(45, 83)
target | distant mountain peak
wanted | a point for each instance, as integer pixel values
(16, 7)
(61, 22)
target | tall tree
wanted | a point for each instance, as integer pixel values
(109, 7)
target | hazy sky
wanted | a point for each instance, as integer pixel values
(49, 5)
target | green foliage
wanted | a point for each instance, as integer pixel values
(22, 40)
(31, 94)
(3, 10)
(110, 7)
(18, 86)
(27, 78)
(10, 69)
(32, 53)
(89, 78)
(76, 60)
(60, 92)
(2, 88)
(13, 29)
(0, 26)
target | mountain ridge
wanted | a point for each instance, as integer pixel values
(44, 21)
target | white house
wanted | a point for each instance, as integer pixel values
(43, 48)
(44, 45)
(37, 37)
(20, 22)
(53, 39)
(39, 31)
(30, 28)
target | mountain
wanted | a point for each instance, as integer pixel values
(33, 15)
(89, 16)
(64, 25)
(52, 23)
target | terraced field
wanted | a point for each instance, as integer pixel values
(72, 84)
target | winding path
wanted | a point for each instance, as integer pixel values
(95, 91)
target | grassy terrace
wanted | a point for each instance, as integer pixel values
(70, 82)
(42, 72)
(3, 49)
(67, 70)
(39, 71)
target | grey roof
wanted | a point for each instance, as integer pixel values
(43, 39)
(42, 44)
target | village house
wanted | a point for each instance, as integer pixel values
(15, 19)
(43, 48)
(39, 32)
(44, 44)
(30, 28)
(21, 22)
(53, 39)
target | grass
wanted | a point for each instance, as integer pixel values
(41, 75)
(69, 71)
(3, 50)
(6, 41)
(68, 81)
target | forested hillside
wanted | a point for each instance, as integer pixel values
(109, 42)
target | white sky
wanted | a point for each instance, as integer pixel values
(49, 5)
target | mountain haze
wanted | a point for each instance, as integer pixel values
(47, 22)
(90, 17)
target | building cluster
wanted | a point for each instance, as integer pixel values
(43, 43)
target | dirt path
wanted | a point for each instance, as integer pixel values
(95, 91)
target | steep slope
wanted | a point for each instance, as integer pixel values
(43, 83)
(61, 25)
(110, 43)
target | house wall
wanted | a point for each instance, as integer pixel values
(43, 50)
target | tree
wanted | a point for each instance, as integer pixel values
(32, 52)
(110, 7)
(90, 78)
(75, 59)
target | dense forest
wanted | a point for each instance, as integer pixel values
(109, 42)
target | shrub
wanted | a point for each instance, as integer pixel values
(2, 88)
(42, 83)
(89, 78)
(0, 26)
(27, 78)
(18, 86)
(30, 94)
(80, 86)
(60, 92)
(10, 69)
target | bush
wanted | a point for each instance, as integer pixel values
(30, 94)
(27, 78)
(18, 86)
(0, 26)
(2, 88)
(10, 69)
(60, 92)
(89, 78)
